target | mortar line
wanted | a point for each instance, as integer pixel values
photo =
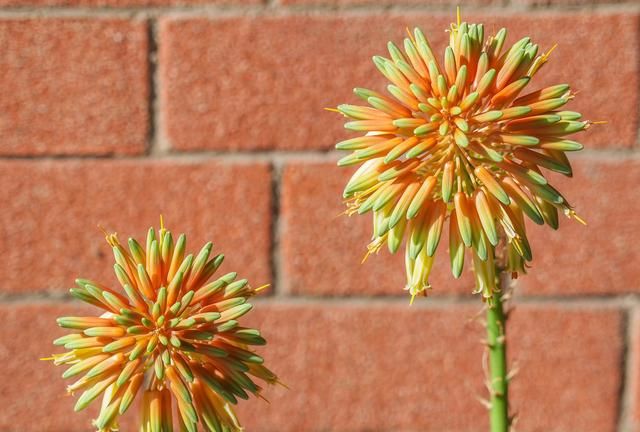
(152, 64)
(625, 302)
(629, 374)
(529, 7)
(272, 8)
(638, 91)
(624, 335)
(167, 154)
(278, 289)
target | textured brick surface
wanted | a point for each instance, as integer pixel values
(73, 86)
(48, 227)
(361, 368)
(269, 92)
(322, 250)
(597, 258)
(396, 368)
(569, 363)
(29, 382)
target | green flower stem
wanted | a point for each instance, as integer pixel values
(497, 345)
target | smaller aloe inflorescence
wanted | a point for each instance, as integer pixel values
(457, 144)
(171, 336)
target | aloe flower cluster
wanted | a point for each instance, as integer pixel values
(459, 143)
(169, 335)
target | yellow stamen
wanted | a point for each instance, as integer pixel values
(374, 247)
(574, 215)
(104, 231)
(260, 288)
(344, 213)
(546, 55)
(112, 238)
(282, 384)
(333, 110)
(541, 61)
(365, 257)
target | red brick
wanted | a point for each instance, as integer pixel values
(48, 231)
(267, 92)
(362, 367)
(73, 86)
(569, 362)
(29, 382)
(322, 250)
(600, 258)
(390, 367)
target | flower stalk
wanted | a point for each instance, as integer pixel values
(499, 383)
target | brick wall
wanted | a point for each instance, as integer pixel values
(210, 112)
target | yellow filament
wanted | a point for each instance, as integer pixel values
(260, 288)
(112, 238)
(546, 55)
(573, 214)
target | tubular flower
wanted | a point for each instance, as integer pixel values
(459, 143)
(172, 336)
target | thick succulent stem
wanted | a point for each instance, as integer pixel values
(497, 346)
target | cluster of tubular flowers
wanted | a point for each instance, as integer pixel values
(172, 337)
(459, 143)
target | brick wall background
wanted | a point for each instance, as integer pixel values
(210, 112)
